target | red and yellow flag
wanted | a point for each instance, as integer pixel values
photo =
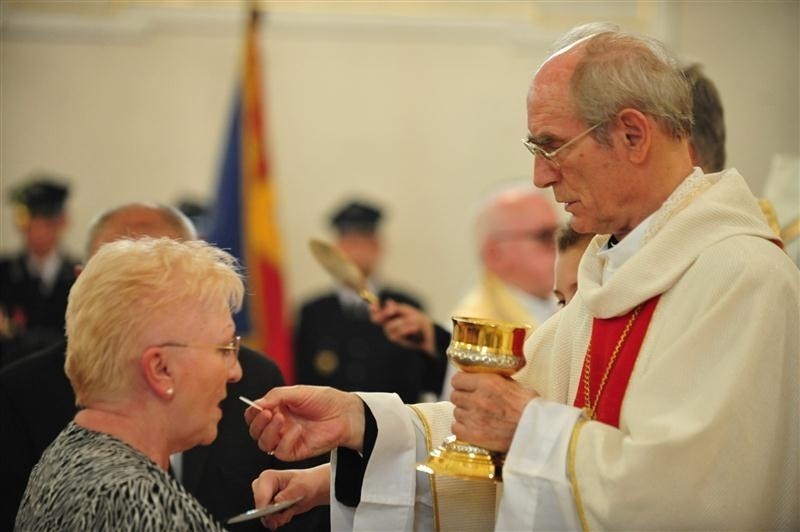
(245, 216)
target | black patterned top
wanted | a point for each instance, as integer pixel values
(88, 480)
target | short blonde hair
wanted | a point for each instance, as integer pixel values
(127, 287)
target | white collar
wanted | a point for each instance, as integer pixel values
(46, 268)
(616, 256)
(351, 300)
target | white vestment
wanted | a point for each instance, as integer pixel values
(708, 428)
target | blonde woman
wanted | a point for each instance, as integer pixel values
(151, 349)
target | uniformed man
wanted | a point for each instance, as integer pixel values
(335, 342)
(34, 283)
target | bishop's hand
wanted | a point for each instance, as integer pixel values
(488, 408)
(299, 422)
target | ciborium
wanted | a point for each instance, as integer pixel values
(478, 346)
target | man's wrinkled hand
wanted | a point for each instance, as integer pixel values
(488, 408)
(300, 422)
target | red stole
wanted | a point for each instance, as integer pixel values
(605, 336)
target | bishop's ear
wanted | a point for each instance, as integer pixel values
(636, 131)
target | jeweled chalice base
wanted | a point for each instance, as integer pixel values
(461, 459)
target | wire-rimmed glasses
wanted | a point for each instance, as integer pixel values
(229, 351)
(549, 156)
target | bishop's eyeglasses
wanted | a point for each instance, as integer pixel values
(550, 156)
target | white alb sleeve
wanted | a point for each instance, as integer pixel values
(389, 491)
(536, 491)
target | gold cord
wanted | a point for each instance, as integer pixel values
(591, 409)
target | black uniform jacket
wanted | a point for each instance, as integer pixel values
(36, 318)
(339, 347)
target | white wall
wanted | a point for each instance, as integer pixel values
(421, 110)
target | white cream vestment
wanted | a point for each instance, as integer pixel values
(708, 432)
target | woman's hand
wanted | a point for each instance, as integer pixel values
(273, 486)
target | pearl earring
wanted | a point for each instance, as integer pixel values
(170, 391)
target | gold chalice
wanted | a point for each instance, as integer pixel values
(479, 346)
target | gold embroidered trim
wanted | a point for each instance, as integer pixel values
(768, 210)
(573, 479)
(791, 231)
(432, 478)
